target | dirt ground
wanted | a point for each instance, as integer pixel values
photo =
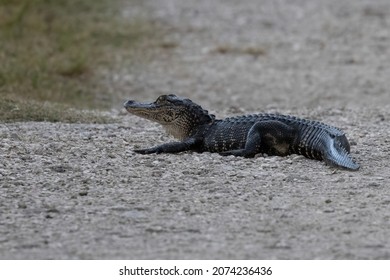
(77, 191)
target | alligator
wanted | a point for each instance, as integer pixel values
(244, 136)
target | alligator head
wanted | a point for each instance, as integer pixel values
(179, 116)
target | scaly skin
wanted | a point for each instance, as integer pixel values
(245, 136)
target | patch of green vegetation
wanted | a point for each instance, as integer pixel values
(16, 110)
(53, 51)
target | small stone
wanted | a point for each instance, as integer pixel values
(22, 205)
(59, 168)
(83, 193)
(329, 210)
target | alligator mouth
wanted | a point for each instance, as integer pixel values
(149, 111)
(131, 104)
(141, 109)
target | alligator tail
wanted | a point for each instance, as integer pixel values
(336, 154)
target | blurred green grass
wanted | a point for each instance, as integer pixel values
(52, 51)
(12, 110)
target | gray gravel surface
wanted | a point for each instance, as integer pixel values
(77, 191)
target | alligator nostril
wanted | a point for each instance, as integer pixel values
(128, 103)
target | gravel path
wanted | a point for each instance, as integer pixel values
(77, 191)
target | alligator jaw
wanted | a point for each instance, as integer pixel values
(143, 110)
(133, 106)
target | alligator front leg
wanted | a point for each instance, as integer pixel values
(272, 136)
(172, 147)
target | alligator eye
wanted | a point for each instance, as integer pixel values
(161, 98)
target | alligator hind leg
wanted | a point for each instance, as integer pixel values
(273, 137)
